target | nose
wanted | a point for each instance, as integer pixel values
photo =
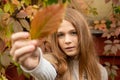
(67, 39)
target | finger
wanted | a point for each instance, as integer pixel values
(23, 58)
(19, 35)
(29, 62)
(36, 52)
(22, 51)
(19, 44)
(27, 58)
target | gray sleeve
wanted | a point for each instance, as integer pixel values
(104, 74)
(44, 70)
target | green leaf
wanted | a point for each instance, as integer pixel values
(27, 2)
(12, 8)
(7, 7)
(49, 2)
(1, 11)
(26, 75)
(108, 23)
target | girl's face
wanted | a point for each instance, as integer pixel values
(67, 38)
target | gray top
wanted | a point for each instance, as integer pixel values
(46, 71)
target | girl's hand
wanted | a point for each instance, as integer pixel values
(24, 50)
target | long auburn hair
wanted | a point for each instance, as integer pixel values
(88, 62)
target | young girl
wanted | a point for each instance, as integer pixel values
(73, 54)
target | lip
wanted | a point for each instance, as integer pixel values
(69, 48)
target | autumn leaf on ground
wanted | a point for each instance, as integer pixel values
(47, 20)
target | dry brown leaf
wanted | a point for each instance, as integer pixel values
(108, 41)
(16, 25)
(2, 45)
(47, 20)
(107, 47)
(25, 24)
(21, 14)
(114, 50)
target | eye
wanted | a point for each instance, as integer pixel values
(59, 35)
(73, 33)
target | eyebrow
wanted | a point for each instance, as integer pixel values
(73, 29)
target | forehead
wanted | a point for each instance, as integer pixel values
(65, 26)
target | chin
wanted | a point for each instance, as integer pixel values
(71, 54)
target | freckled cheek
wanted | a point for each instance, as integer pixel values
(60, 42)
(76, 41)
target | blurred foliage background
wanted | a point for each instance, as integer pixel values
(16, 16)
